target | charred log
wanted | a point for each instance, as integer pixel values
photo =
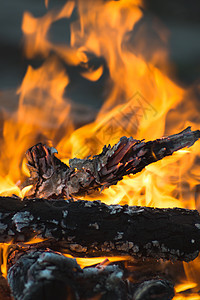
(52, 178)
(49, 275)
(94, 229)
(159, 289)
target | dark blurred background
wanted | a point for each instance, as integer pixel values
(180, 17)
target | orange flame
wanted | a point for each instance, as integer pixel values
(5, 248)
(179, 289)
(86, 262)
(140, 101)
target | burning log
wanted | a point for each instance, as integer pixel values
(87, 228)
(52, 178)
(49, 275)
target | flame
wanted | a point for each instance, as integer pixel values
(5, 249)
(140, 100)
(34, 240)
(86, 262)
(183, 288)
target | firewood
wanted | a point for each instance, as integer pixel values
(49, 275)
(159, 289)
(52, 178)
(87, 228)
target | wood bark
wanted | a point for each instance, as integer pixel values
(87, 228)
(49, 275)
(52, 178)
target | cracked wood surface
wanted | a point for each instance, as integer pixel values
(86, 228)
(49, 275)
(51, 178)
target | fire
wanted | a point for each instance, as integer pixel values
(5, 249)
(184, 287)
(86, 262)
(140, 100)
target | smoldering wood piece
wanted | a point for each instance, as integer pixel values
(94, 229)
(52, 178)
(49, 275)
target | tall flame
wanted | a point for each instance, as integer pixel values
(140, 100)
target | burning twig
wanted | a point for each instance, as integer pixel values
(52, 178)
(49, 275)
(102, 229)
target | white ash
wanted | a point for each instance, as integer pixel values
(119, 236)
(27, 286)
(54, 221)
(65, 213)
(22, 219)
(48, 233)
(163, 248)
(62, 224)
(173, 251)
(155, 243)
(92, 271)
(88, 204)
(45, 274)
(115, 209)
(113, 279)
(94, 225)
(197, 225)
(136, 249)
(133, 210)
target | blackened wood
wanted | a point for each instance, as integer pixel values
(94, 229)
(47, 275)
(158, 289)
(52, 178)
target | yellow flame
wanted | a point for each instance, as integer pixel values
(93, 75)
(187, 297)
(35, 240)
(4, 247)
(86, 262)
(185, 286)
(140, 100)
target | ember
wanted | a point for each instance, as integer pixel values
(134, 231)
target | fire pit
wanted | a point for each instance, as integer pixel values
(99, 203)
